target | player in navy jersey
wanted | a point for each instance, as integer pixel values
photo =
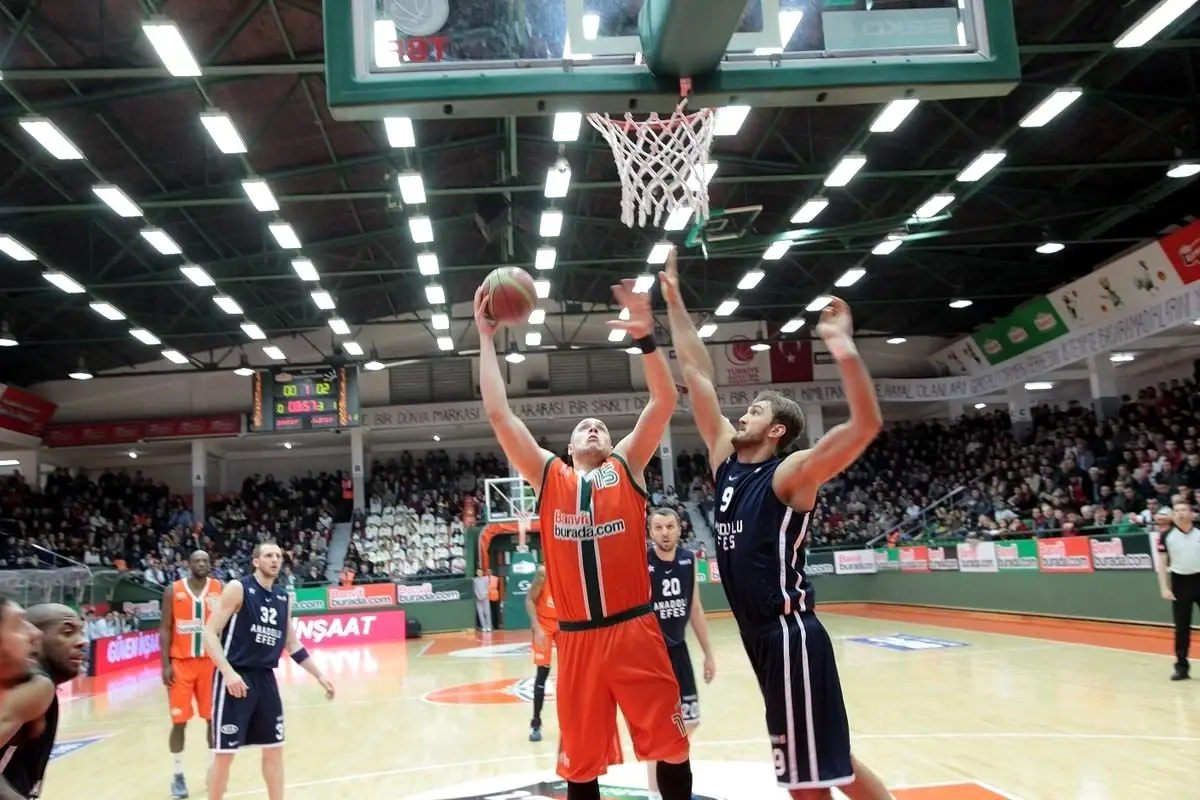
(676, 603)
(764, 501)
(245, 636)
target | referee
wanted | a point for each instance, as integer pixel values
(1180, 549)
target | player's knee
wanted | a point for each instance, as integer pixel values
(271, 755)
(680, 756)
(811, 794)
(691, 726)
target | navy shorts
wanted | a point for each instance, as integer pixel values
(681, 664)
(806, 716)
(256, 719)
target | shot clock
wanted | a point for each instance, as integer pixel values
(313, 398)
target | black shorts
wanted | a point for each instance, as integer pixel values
(681, 663)
(806, 716)
(256, 719)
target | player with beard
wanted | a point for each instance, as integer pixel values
(765, 497)
(29, 712)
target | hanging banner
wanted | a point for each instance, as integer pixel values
(977, 557)
(1121, 552)
(26, 413)
(1019, 555)
(854, 562)
(1071, 554)
(110, 433)
(943, 559)
(1029, 327)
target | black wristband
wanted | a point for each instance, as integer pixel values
(646, 344)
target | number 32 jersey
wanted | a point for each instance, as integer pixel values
(255, 636)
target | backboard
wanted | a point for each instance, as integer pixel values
(486, 58)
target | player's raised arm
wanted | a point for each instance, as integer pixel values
(801, 474)
(516, 441)
(715, 429)
(640, 446)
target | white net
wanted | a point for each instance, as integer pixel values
(663, 162)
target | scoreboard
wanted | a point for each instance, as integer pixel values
(313, 398)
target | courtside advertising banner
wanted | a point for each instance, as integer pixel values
(943, 559)
(914, 559)
(977, 557)
(1121, 552)
(818, 564)
(887, 558)
(122, 651)
(309, 600)
(369, 595)
(333, 630)
(1071, 554)
(1019, 555)
(854, 562)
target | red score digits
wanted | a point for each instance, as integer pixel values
(422, 48)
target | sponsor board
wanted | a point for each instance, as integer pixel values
(906, 643)
(1019, 555)
(818, 564)
(368, 595)
(331, 630)
(977, 557)
(943, 559)
(854, 562)
(149, 610)
(914, 559)
(124, 650)
(64, 749)
(495, 651)
(309, 599)
(1121, 552)
(505, 691)
(427, 592)
(886, 558)
(1071, 554)
(714, 571)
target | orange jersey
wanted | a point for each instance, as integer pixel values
(547, 614)
(189, 612)
(594, 538)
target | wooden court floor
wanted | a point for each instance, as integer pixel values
(944, 705)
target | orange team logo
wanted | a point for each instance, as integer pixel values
(506, 691)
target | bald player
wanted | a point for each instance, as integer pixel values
(29, 711)
(187, 671)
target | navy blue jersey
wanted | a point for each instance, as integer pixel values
(672, 585)
(255, 637)
(24, 760)
(760, 545)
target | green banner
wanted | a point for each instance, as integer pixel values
(437, 590)
(314, 598)
(521, 569)
(1030, 326)
(1021, 554)
(1122, 552)
(702, 575)
(886, 558)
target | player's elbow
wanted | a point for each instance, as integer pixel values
(869, 423)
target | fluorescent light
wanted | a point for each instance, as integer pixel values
(551, 224)
(82, 373)
(788, 22)
(545, 258)
(751, 279)
(1038, 386)
(934, 205)
(792, 325)
(726, 308)
(243, 370)
(197, 275)
(633, 351)
(810, 210)
(980, 406)
(353, 348)
(1051, 107)
(624, 315)
(144, 336)
(558, 180)
(435, 294)
(285, 235)
(399, 131)
(889, 245)
(846, 169)
(339, 326)
(514, 356)
(542, 288)
(897, 340)
(777, 250)
(440, 321)
(591, 26)
(894, 114)
(421, 229)
(10, 462)
(1153, 23)
(537, 316)
(984, 163)
(374, 365)
(15, 250)
(64, 282)
(50, 137)
(1121, 358)
(412, 188)
(227, 304)
(643, 283)
(305, 270)
(253, 331)
(678, 219)
(274, 352)
(1050, 248)
(117, 200)
(616, 334)
(172, 49)
(174, 356)
(223, 133)
(659, 253)
(706, 330)
(1186, 169)
(161, 241)
(961, 303)
(445, 343)
(710, 169)
(850, 277)
(819, 303)
(323, 299)
(566, 126)
(729, 120)
(760, 346)
(108, 311)
(260, 194)
(533, 338)
(427, 263)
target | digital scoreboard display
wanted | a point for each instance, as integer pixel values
(313, 398)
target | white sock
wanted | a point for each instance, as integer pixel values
(177, 758)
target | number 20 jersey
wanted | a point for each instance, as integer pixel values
(255, 636)
(760, 545)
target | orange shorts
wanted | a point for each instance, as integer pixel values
(602, 669)
(542, 656)
(193, 681)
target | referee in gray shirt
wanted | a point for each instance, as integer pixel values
(1179, 555)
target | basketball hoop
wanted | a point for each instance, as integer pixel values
(663, 161)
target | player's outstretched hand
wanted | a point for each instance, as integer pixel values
(327, 686)
(836, 321)
(235, 685)
(483, 318)
(641, 321)
(669, 280)
(710, 669)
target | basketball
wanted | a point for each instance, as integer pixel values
(511, 294)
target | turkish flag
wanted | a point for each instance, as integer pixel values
(791, 361)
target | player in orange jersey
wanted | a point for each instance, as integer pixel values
(611, 653)
(187, 671)
(539, 603)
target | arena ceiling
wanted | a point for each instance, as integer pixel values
(1094, 179)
